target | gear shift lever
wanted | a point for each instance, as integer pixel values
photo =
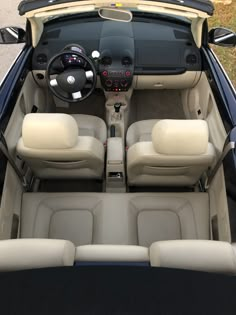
(117, 107)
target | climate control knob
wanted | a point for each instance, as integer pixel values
(108, 83)
(124, 83)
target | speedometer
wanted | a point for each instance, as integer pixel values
(72, 60)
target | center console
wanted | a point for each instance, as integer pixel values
(116, 80)
(117, 107)
(116, 65)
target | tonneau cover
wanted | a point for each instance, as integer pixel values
(202, 5)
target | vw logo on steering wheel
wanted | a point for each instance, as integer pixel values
(71, 80)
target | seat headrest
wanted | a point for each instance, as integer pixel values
(112, 253)
(23, 254)
(49, 131)
(201, 255)
(180, 137)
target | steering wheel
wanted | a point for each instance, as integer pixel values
(71, 83)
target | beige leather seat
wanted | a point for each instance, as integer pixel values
(35, 253)
(53, 148)
(177, 154)
(210, 256)
(115, 218)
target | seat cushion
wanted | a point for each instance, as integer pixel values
(140, 131)
(91, 126)
(170, 217)
(60, 216)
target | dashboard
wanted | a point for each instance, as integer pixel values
(143, 47)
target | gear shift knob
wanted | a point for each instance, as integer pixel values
(117, 107)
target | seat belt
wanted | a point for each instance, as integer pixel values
(227, 148)
(4, 150)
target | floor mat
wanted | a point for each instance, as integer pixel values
(149, 104)
(93, 105)
(71, 186)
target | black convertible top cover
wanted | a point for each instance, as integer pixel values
(114, 290)
(202, 5)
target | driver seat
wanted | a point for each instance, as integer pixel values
(54, 146)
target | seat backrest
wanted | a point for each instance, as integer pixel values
(201, 255)
(178, 155)
(52, 148)
(112, 253)
(35, 253)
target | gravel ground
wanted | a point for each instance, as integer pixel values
(9, 17)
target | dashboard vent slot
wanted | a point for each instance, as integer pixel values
(42, 59)
(191, 59)
(126, 61)
(106, 61)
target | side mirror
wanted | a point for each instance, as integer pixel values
(12, 35)
(222, 37)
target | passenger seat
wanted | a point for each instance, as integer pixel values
(177, 154)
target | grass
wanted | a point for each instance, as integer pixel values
(225, 16)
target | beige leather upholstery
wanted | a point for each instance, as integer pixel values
(180, 137)
(140, 131)
(112, 253)
(35, 253)
(49, 131)
(211, 256)
(52, 148)
(115, 218)
(91, 126)
(178, 154)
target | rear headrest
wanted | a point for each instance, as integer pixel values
(35, 253)
(210, 256)
(180, 137)
(112, 253)
(49, 131)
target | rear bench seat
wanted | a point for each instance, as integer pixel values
(122, 219)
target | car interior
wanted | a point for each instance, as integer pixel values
(117, 165)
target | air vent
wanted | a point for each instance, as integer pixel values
(106, 61)
(126, 61)
(191, 59)
(42, 59)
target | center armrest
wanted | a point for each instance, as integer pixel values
(115, 171)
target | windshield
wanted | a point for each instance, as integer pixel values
(135, 12)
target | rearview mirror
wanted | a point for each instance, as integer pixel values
(115, 14)
(222, 37)
(12, 35)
